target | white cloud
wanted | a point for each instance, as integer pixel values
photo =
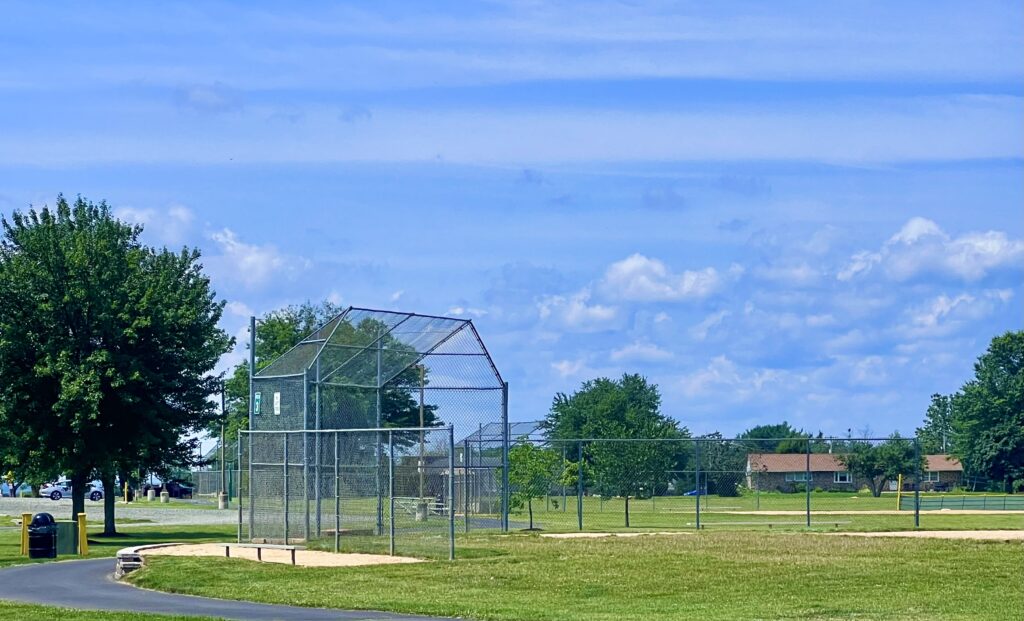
(724, 377)
(943, 314)
(641, 352)
(794, 275)
(662, 317)
(334, 298)
(641, 279)
(397, 295)
(700, 331)
(169, 226)
(459, 311)
(574, 312)
(920, 246)
(239, 308)
(251, 264)
(819, 321)
(568, 368)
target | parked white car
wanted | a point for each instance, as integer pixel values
(60, 489)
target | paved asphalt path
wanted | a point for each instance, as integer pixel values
(89, 584)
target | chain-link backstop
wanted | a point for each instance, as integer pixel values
(348, 397)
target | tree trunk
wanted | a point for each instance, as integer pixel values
(109, 496)
(529, 507)
(78, 481)
(627, 510)
(1008, 485)
(876, 487)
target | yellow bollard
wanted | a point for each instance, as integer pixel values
(899, 490)
(83, 537)
(126, 491)
(25, 519)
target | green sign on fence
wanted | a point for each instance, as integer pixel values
(256, 404)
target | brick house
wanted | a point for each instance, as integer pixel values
(787, 472)
(942, 473)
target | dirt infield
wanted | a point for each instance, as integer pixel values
(305, 558)
(599, 535)
(993, 535)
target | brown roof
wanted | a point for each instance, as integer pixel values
(942, 463)
(824, 462)
(794, 462)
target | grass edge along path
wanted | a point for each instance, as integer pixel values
(33, 612)
(708, 576)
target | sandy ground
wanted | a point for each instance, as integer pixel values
(995, 535)
(598, 535)
(306, 558)
(875, 512)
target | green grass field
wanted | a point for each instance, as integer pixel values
(708, 575)
(10, 542)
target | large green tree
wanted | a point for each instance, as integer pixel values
(936, 436)
(627, 408)
(987, 416)
(879, 463)
(106, 348)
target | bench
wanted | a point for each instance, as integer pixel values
(260, 547)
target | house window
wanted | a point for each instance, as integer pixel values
(796, 477)
(931, 477)
(842, 477)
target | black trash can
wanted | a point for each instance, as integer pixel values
(42, 536)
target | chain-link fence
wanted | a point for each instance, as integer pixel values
(387, 491)
(608, 484)
(209, 483)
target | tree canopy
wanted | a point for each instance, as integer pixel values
(780, 438)
(532, 471)
(106, 347)
(626, 408)
(987, 414)
(879, 463)
(936, 436)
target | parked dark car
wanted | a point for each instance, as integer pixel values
(175, 488)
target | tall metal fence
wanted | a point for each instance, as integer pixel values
(389, 491)
(602, 484)
(209, 483)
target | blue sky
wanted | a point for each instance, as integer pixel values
(801, 211)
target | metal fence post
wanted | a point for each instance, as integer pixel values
(807, 481)
(579, 485)
(391, 493)
(285, 488)
(305, 453)
(238, 486)
(465, 483)
(506, 497)
(337, 494)
(696, 455)
(252, 506)
(451, 493)
(917, 483)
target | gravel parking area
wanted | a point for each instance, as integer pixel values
(154, 512)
